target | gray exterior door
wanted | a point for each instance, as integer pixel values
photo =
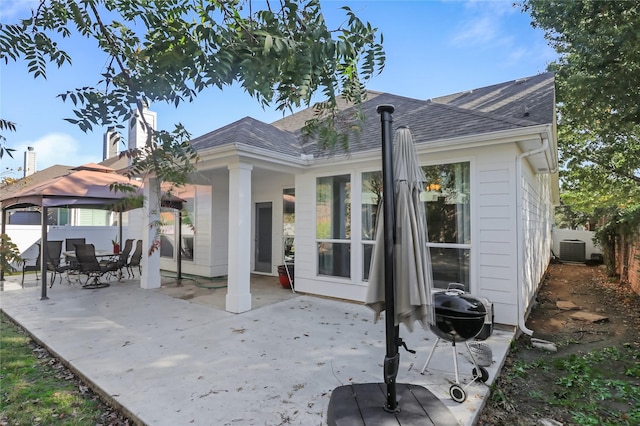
(263, 238)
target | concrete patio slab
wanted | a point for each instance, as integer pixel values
(170, 361)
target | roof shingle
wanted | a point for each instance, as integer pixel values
(519, 103)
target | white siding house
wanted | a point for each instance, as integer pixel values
(491, 155)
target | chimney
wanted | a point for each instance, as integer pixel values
(137, 134)
(110, 144)
(29, 161)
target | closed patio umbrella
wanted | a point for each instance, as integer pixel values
(412, 264)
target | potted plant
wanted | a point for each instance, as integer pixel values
(116, 246)
(285, 275)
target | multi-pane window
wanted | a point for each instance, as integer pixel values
(333, 225)
(371, 197)
(447, 200)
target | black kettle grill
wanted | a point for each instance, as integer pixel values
(458, 318)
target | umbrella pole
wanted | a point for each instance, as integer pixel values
(392, 358)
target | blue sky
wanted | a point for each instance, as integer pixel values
(433, 48)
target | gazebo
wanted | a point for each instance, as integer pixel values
(90, 186)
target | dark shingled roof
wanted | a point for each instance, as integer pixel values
(251, 132)
(530, 98)
(34, 179)
(519, 103)
(428, 121)
(295, 122)
(116, 163)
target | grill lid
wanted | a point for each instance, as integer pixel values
(457, 304)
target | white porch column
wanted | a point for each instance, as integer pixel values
(238, 284)
(151, 214)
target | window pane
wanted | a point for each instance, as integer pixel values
(447, 203)
(167, 239)
(371, 197)
(334, 259)
(450, 265)
(189, 194)
(187, 248)
(59, 216)
(333, 207)
(166, 245)
(289, 222)
(367, 251)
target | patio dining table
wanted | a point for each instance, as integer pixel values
(100, 254)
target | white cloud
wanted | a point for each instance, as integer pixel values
(479, 30)
(51, 149)
(516, 55)
(483, 23)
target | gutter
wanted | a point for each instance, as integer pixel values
(520, 232)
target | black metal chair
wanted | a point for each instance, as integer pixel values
(70, 245)
(54, 251)
(88, 265)
(28, 267)
(135, 260)
(123, 259)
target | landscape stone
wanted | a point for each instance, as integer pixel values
(567, 305)
(589, 317)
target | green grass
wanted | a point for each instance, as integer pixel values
(601, 387)
(38, 390)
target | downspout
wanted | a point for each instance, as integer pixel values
(520, 234)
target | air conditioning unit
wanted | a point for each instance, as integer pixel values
(573, 251)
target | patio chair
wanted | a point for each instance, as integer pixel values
(88, 265)
(54, 251)
(123, 258)
(70, 245)
(135, 260)
(28, 267)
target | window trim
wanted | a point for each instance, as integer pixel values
(472, 245)
(352, 177)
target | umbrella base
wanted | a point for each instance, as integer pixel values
(363, 404)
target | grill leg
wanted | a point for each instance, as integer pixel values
(473, 359)
(455, 360)
(433, 349)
